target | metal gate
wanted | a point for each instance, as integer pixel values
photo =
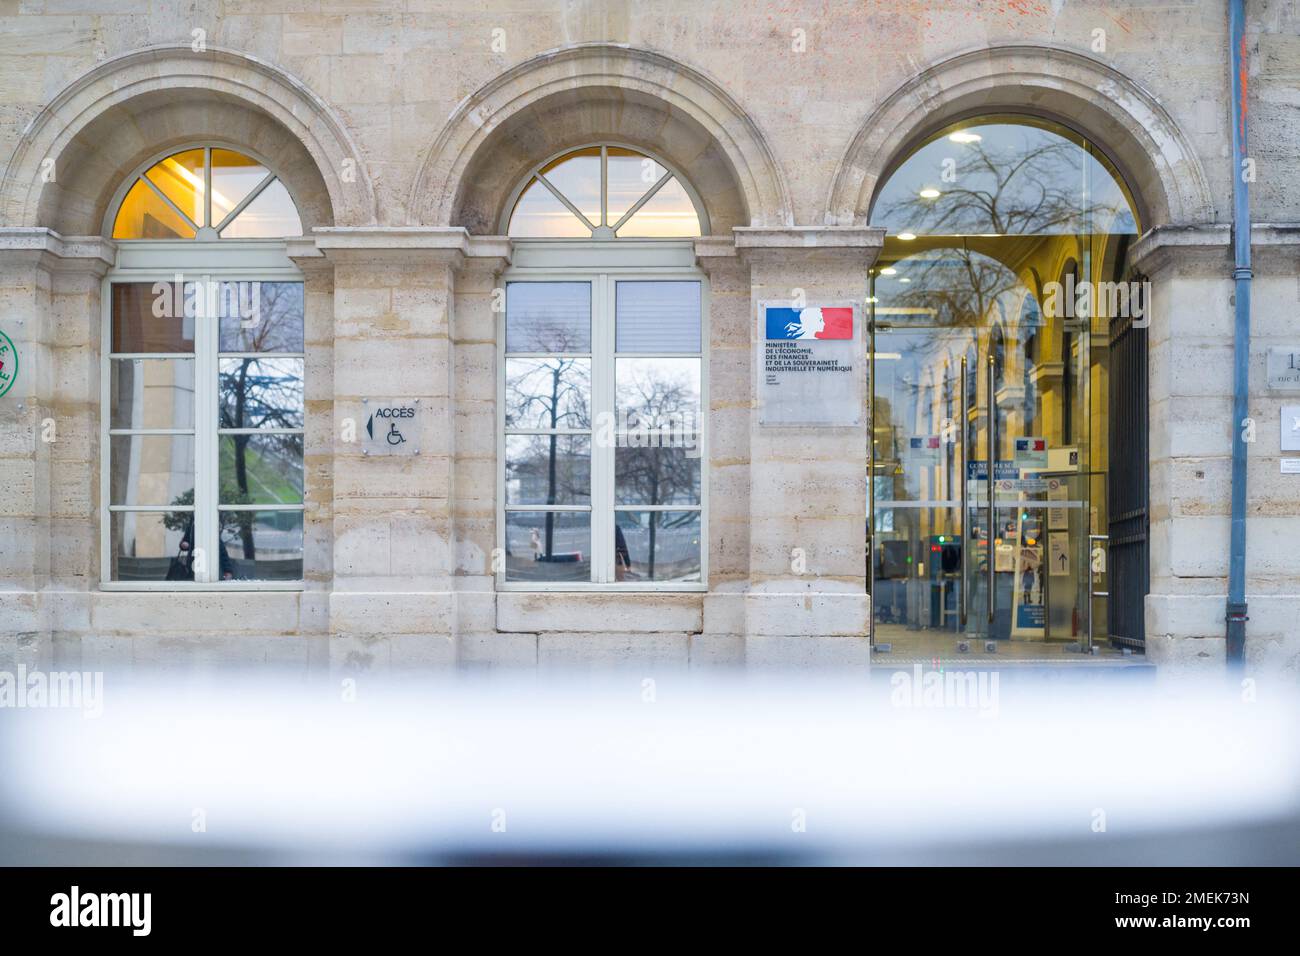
(1128, 484)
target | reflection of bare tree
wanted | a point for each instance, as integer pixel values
(1017, 190)
(958, 284)
(549, 393)
(661, 406)
(261, 392)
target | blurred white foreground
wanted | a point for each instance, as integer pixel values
(629, 769)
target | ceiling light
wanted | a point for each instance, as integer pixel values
(907, 236)
(963, 137)
(889, 271)
(929, 192)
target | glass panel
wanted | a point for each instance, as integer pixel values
(261, 469)
(151, 470)
(630, 176)
(661, 473)
(667, 213)
(548, 393)
(150, 317)
(577, 177)
(548, 317)
(261, 317)
(260, 393)
(658, 393)
(234, 176)
(261, 546)
(151, 546)
(657, 546)
(180, 177)
(539, 215)
(144, 215)
(548, 546)
(548, 469)
(271, 215)
(1016, 178)
(151, 393)
(657, 317)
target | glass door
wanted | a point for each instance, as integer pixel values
(979, 517)
(923, 531)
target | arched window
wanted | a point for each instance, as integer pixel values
(203, 382)
(604, 191)
(206, 193)
(604, 388)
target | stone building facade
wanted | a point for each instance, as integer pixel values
(403, 133)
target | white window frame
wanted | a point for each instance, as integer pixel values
(604, 231)
(603, 264)
(249, 260)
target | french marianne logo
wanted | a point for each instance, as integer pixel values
(809, 323)
(8, 363)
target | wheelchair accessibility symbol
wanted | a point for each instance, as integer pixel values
(403, 424)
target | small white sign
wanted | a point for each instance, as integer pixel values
(1058, 547)
(1291, 466)
(1289, 428)
(391, 427)
(1058, 518)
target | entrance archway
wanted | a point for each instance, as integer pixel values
(986, 510)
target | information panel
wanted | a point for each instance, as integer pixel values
(810, 372)
(391, 427)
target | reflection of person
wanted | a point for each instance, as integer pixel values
(622, 556)
(1027, 586)
(535, 542)
(182, 566)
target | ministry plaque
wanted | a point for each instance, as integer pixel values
(810, 365)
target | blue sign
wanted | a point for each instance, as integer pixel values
(1004, 470)
(1030, 616)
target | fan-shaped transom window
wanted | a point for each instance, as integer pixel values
(604, 192)
(207, 192)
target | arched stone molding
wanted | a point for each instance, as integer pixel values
(1157, 162)
(590, 92)
(101, 127)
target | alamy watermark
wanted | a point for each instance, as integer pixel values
(209, 298)
(1085, 300)
(53, 690)
(945, 690)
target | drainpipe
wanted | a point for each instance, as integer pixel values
(1241, 274)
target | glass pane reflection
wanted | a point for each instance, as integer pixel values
(657, 393)
(548, 317)
(548, 393)
(261, 317)
(261, 469)
(151, 545)
(548, 546)
(261, 546)
(151, 393)
(151, 470)
(660, 545)
(548, 469)
(261, 393)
